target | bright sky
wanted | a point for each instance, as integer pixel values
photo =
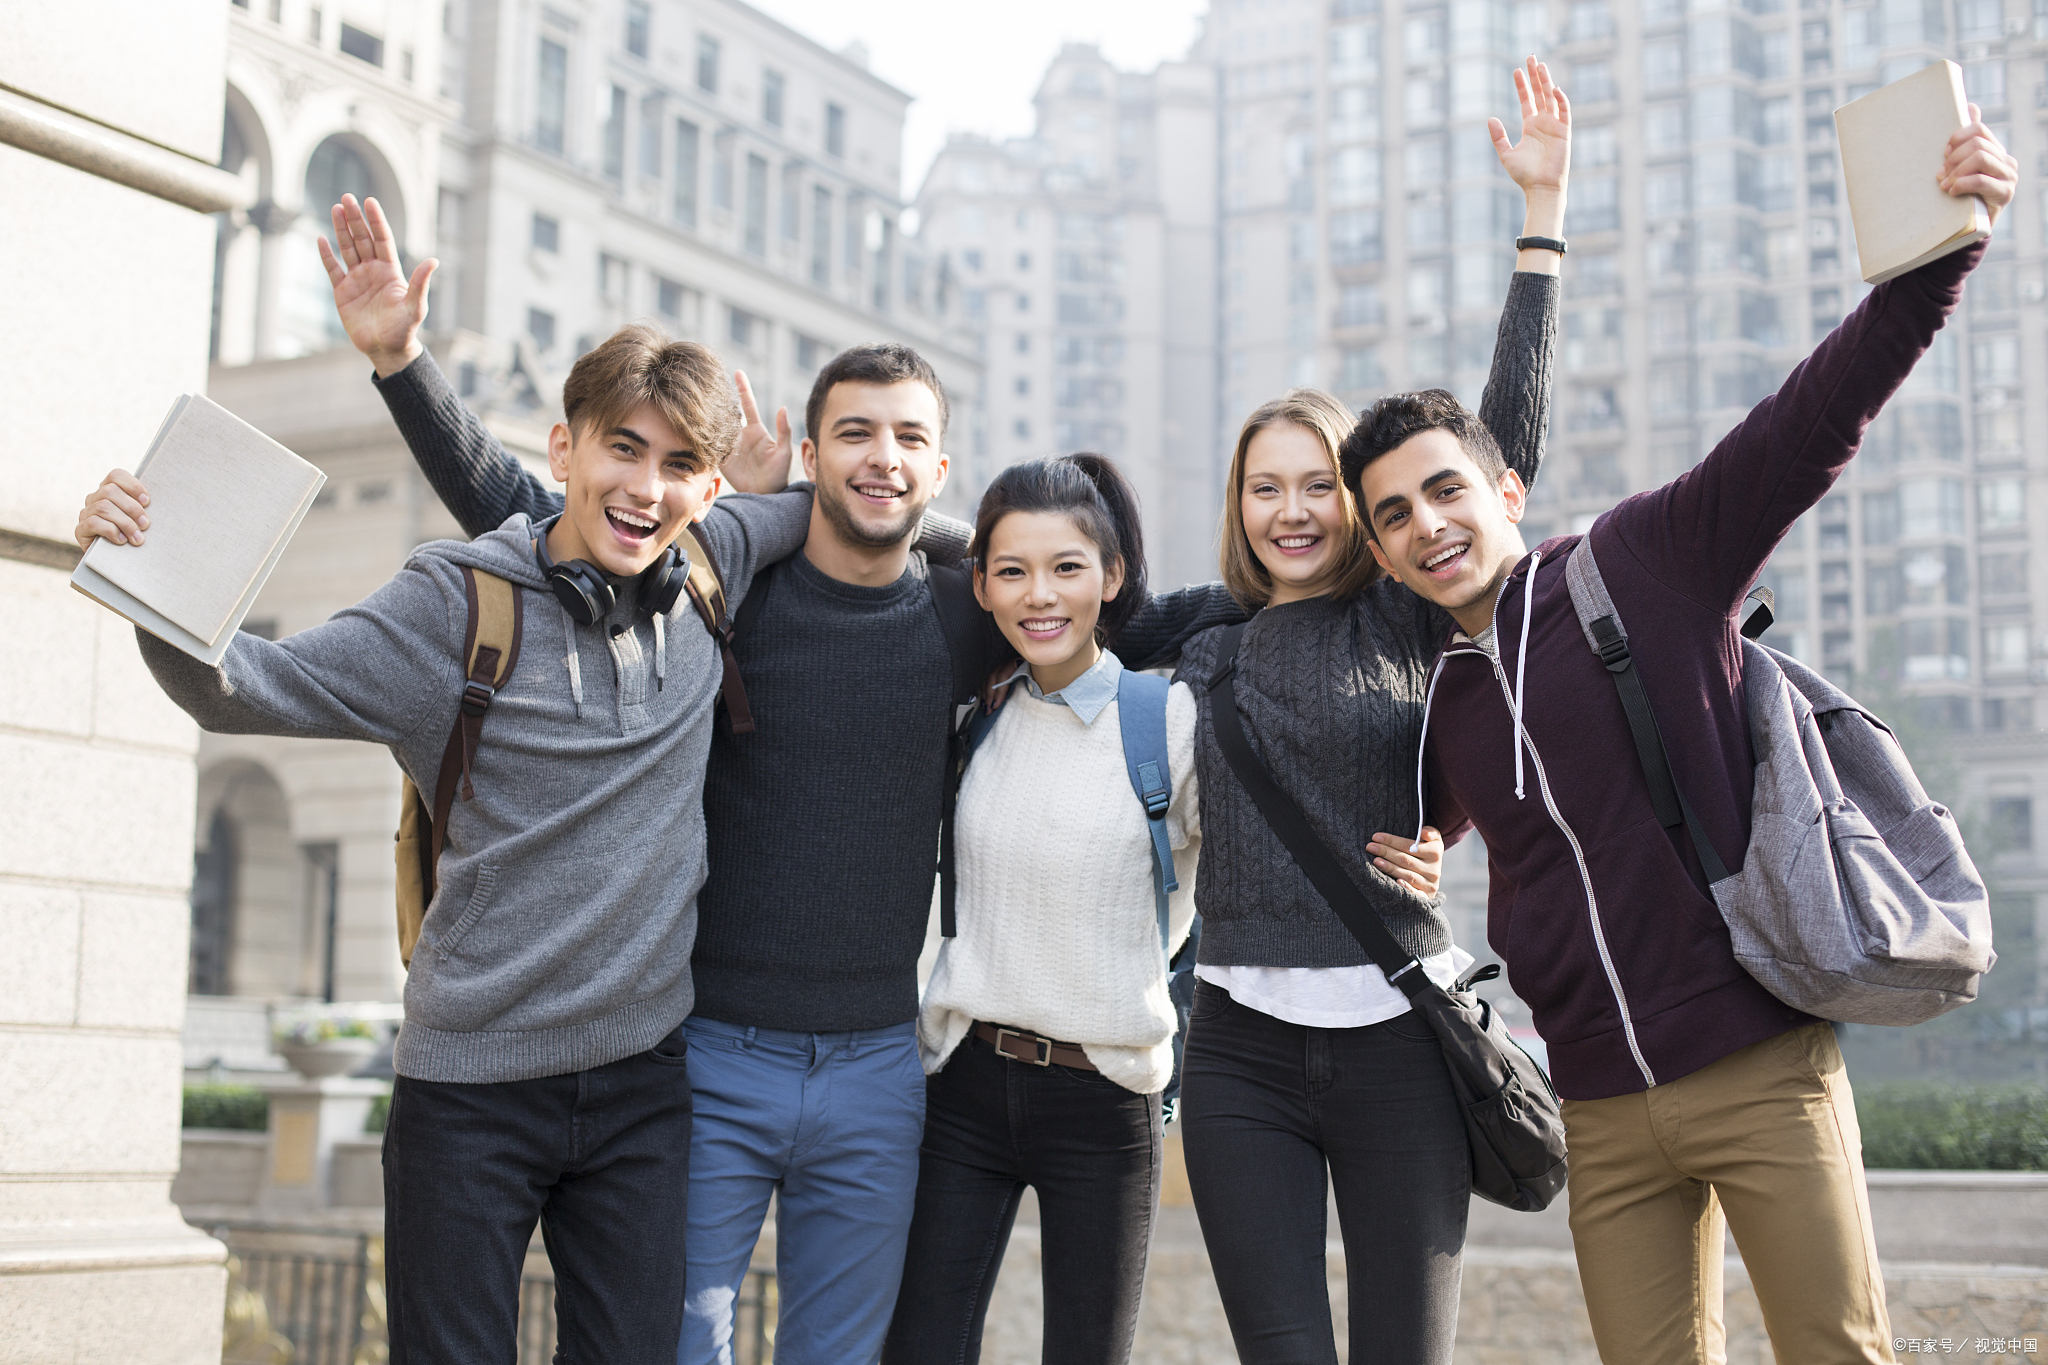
(974, 64)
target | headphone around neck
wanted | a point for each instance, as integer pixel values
(589, 594)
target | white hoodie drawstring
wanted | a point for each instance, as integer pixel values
(1421, 747)
(575, 661)
(1522, 665)
(660, 650)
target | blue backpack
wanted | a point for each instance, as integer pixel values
(1141, 716)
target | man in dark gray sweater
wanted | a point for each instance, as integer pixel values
(821, 824)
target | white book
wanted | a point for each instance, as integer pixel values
(1894, 142)
(224, 500)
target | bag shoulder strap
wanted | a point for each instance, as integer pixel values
(1602, 626)
(706, 588)
(1284, 815)
(1141, 715)
(490, 650)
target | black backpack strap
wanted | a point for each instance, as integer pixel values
(1284, 815)
(1602, 626)
(966, 628)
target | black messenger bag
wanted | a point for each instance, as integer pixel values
(1511, 1113)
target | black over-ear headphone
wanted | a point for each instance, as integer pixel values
(588, 593)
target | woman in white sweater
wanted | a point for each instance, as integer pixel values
(1046, 1030)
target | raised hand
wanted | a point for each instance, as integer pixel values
(1542, 159)
(1978, 164)
(759, 463)
(381, 310)
(114, 511)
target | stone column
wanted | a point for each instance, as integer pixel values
(273, 221)
(96, 780)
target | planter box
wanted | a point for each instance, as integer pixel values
(219, 1166)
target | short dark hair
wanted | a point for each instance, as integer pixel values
(1399, 416)
(1090, 489)
(882, 362)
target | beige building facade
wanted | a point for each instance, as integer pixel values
(109, 130)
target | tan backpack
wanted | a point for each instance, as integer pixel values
(490, 650)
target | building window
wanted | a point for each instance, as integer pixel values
(540, 325)
(686, 173)
(757, 205)
(650, 136)
(1022, 428)
(637, 20)
(771, 98)
(791, 219)
(313, 27)
(707, 64)
(547, 233)
(821, 235)
(2001, 504)
(668, 299)
(811, 353)
(611, 278)
(745, 329)
(551, 96)
(721, 171)
(2012, 823)
(882, 237)
(364, 47)
(615, 133)
(835, 130)
(1023, 343)
(1360, 369)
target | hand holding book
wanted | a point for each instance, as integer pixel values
(1977, 163)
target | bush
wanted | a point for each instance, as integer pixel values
(1928, 1126)
(379, 1115)
(241, 1107)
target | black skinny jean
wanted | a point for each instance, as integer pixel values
(1270, 1111)
(600, 1157)
(1089, 1147)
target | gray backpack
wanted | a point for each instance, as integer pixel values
(1856, 899)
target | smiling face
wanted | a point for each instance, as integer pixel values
(1044, 581)
(1441, 526)
(630, 490)
(876, 460)
(1294, 511)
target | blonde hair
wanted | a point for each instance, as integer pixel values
(686, 382)
(1329, 421)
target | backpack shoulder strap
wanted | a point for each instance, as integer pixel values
(490, 650)
(1602, 626)
(1141, 715)
(706, 588)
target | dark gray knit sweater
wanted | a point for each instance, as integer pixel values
(1332, 695)
(822, 825)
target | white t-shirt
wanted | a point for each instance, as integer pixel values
(1329, 997)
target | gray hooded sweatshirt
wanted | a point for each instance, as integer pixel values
(559, 938)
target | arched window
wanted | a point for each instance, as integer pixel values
(342, 164)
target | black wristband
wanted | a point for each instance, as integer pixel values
(1541, 244)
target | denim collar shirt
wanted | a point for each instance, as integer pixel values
(1086, 696)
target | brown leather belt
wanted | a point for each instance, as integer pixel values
(1020, 1046)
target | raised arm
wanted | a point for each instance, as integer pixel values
(1516, 404)
(472, 473)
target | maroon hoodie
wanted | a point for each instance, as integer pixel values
(1600, 914)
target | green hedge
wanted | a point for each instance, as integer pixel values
(1929, 1126)
(380, 1112)
(242, 1107)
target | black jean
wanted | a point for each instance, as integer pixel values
(1271, 1110)
(1089, 1147)
(600, 1157)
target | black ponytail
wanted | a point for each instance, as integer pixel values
(1094, 492)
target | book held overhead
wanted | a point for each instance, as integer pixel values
(224, 502)
(1894, 141)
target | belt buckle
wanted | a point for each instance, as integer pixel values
(1041, 1047)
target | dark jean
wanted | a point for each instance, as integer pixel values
(600, 1157)
(1089, 1147)
(1273, 1110)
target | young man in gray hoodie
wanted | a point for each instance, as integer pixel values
(542, 1067)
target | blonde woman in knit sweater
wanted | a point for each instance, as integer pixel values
(1046, 1030)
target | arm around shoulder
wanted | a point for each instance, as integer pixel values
(749, 531)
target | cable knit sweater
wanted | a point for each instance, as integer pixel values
(1058, 927)
(1332, 695)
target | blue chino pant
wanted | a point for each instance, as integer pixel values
(828, 1124)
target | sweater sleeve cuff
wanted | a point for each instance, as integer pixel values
(416, 389)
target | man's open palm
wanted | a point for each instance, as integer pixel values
(1543, 157)
(381, 309)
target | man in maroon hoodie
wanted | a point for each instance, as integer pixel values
(1688, 1089)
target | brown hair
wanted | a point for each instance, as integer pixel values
(882, 363)
(638, 364)
(1329, 421)
(1399, 416)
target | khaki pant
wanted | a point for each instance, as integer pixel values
(1769, 1135)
